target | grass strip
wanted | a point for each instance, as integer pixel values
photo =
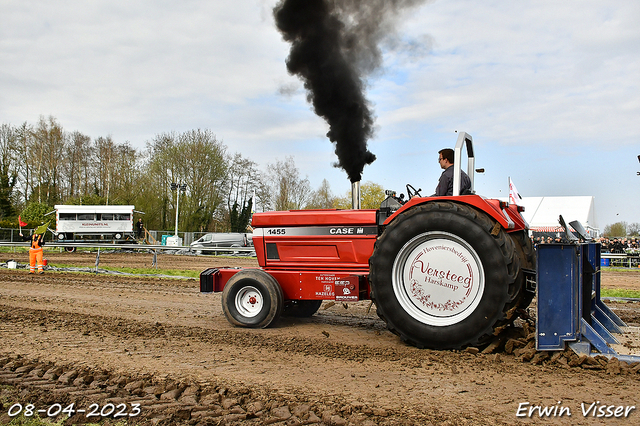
(141, 271)
(617, 292)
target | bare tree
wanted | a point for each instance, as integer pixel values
(157, 178)
(263, 200)
(78, 168)
(24, 164)
(242, 182)
(8, 171)
(195, 158)
(49, 149)
(633, 229)
(125, 174)
(322, 198)
(202, 166)
(288, 190)
(105, 153)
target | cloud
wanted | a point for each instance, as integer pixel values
(144, 62)
(555, 71)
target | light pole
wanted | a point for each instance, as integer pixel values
(178, 187)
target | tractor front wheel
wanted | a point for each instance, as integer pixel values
(252, 298)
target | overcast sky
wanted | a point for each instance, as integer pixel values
(549, 90)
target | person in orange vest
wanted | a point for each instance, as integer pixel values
(35, 252)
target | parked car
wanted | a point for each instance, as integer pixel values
(222, 240)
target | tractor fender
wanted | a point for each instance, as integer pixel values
(506, 215)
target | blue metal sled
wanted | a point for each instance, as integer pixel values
(570, 310)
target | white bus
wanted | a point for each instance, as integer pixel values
(94, 222)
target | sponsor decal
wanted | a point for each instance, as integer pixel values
(441, 278)
(347, 289)
(321, 230)
(338, 287)
(346, 231)
(327, 288)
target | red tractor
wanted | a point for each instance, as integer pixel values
(444, 272)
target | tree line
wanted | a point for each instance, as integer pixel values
(622, 229)
(42, 165)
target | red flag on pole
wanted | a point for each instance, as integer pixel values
(21, 222)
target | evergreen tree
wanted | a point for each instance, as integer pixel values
(233, 218)
(240, 221)
(7, 182)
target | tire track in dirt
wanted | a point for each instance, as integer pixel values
(120, 336)
(187, 400)
(182, 399)
(165, 333)
(102, 394)
(123, 328)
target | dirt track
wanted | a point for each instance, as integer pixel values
(87, 338)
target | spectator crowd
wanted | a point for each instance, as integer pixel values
(619, 245)
(615, 245)
(548, 240)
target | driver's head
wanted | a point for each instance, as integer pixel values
(445, 157)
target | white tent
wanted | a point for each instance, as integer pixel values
(542, 213)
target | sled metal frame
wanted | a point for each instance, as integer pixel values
(570, 310)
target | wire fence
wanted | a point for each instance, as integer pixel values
(12, 235)
(11, 238)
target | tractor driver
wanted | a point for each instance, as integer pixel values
(445, 184)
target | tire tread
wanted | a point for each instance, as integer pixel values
(506, 247)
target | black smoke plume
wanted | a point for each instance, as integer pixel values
(334, 47)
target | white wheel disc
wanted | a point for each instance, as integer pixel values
(249, 301)
(438, 278)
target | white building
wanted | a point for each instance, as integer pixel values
(542, 213)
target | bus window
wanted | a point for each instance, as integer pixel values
(107, 216)
(85, 216)
(67, 216)
(122, 216)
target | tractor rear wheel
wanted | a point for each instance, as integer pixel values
(527, 255)
(442, 275)
(252, 298)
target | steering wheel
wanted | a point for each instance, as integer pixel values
(412, 192)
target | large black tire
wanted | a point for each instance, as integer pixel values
(527, 254)
(301, 308)
(252, 298)
(442, 275)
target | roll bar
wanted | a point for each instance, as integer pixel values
(463, 138)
